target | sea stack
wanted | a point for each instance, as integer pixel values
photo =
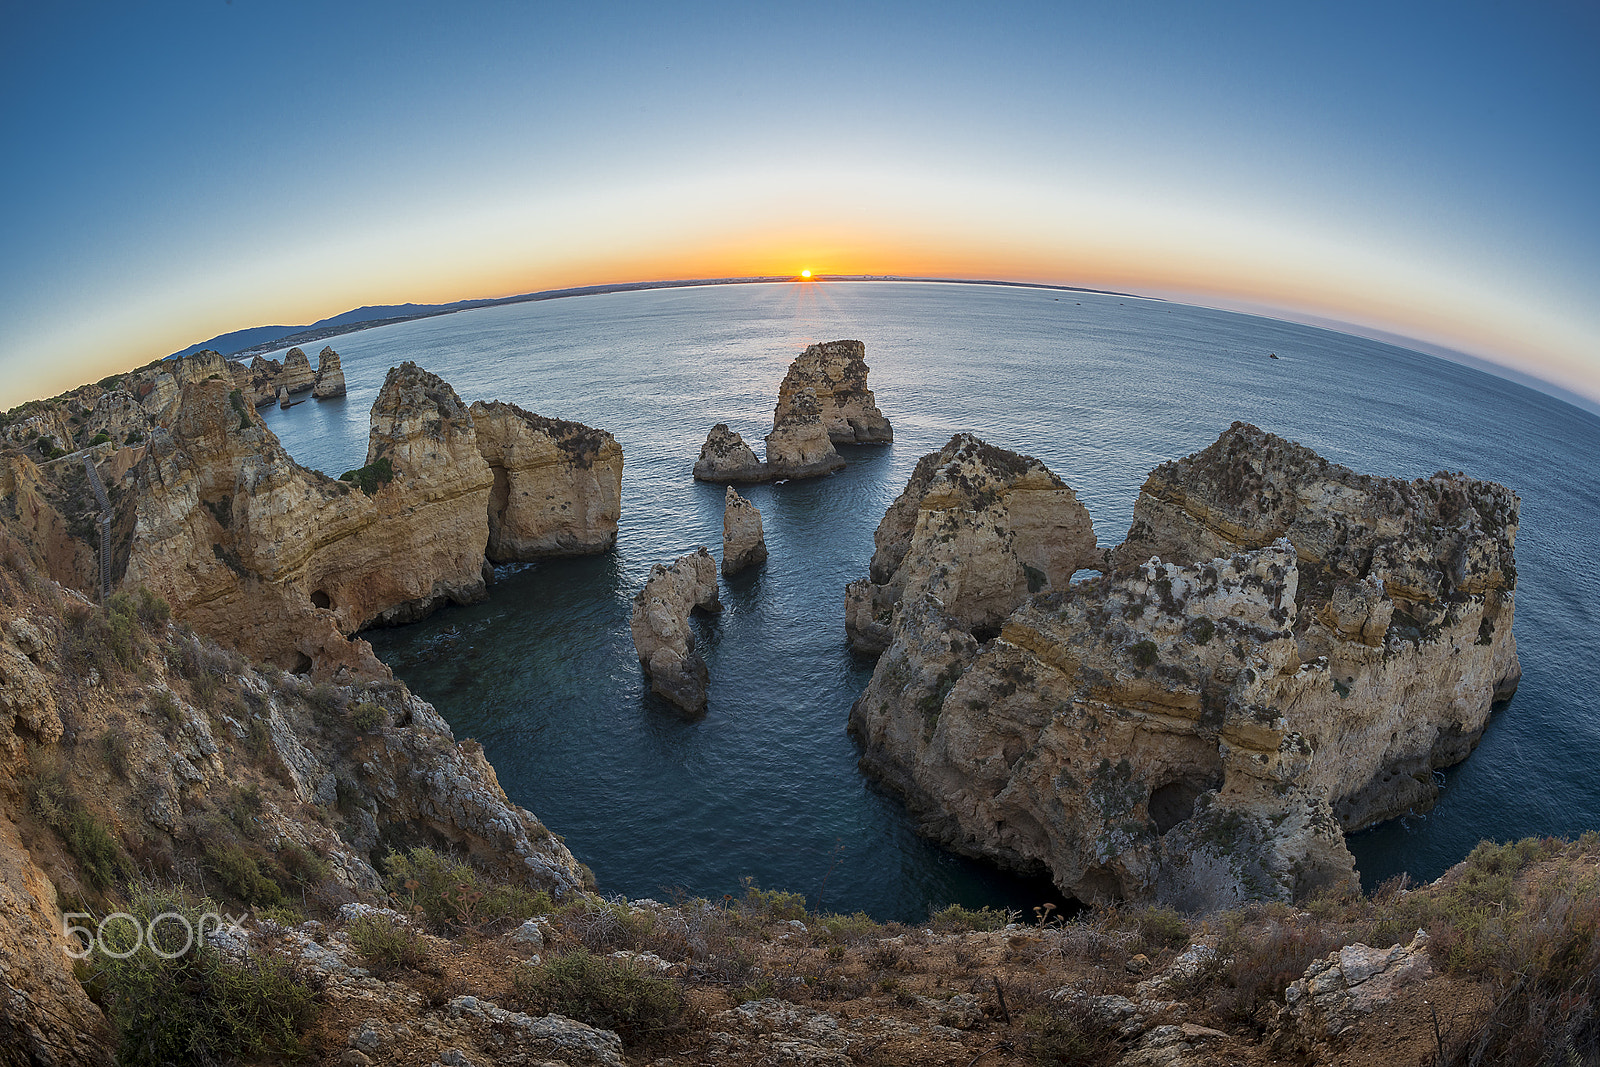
(835, 372)
(1284, 652)
(283, 397)
(799, 446)
(330, 375)
(557, 484)
(661, 633)
(297, 373)
(726, 458)
(980, 526)
(744, 544)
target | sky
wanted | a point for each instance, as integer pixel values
(176, 171)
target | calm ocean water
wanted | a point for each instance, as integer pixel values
(1102, 388)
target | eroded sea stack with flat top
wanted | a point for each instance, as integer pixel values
(981, 527)
(661, 633)
(557, 484)
(1203, 728)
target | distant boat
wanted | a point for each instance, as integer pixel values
(1272, 355)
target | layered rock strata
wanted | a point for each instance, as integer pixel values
(661, 632)
(982, 525)
(726, 458)
(744, 543)
(557, 485)
(835, 372)
(267, 379)
(1203, 730)
(799, 445)
(329, 381)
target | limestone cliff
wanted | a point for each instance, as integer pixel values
(329, 381)
(557, 486)
(744, 543)
(269, 379)
(982, 526)
(1203, 729)
(835, 372)
(661, 633)
(726, 458)
(799, 446)
(1407, 591)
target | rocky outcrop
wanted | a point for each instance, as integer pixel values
(836, 374)
(1406, 597)
(282, 562)
(329, 381)
(799, 446)
(1203, 732)
(744, 543)
(283, 398)
(557, 486)
(726, 458)
(661, 633)
(268, 379)
(1338, 990)
(297, 376)
(979, 526)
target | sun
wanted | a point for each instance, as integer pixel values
(806, 273)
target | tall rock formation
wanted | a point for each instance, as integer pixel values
(726, 458)
(979, 526)
(557, 485)
(297, 374)
(799, 446)
(329, 381)
(1204, 728)
(661, 633)
(744, 543)
(836, 374)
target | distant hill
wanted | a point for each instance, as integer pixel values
(265, 337)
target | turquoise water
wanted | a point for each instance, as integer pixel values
(1102, 388)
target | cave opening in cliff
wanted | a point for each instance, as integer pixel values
(1172, 803)
(302, 663)
(321, 599)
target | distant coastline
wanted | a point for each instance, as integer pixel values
(344, 323)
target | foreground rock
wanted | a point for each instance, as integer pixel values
(726, 458)
(557, 485)
(1203, 732)
(799, 446)
(1351, 983)
(835, 372)
(329, 381)
(980, 528)
(744, 544)
(661, 633)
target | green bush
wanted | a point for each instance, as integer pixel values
(845, 929)
(387, 946)
(1145, 653)
(771, 905)
(240, 408)
(1069, 1037)
(240, 874)
(603, 992)
(99, 439)
(199, 1007)
(101, 860)
(452, 895)
(372, 477)
(366, 717)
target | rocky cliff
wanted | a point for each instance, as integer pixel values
(557, 485)
(799, 446)
(836, 374)
(744, 543)
(1202, 731)
(329, 381)
(267, 379)
(661, 633)
(980, 527)
(726, 458)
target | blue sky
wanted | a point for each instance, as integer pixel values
(178, 171)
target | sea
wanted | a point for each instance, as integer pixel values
(763, 789)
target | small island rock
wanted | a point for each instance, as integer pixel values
(744, 544)
(661, 633)
(726, 458)
(836, 374)
(330, 375)
(799, 446)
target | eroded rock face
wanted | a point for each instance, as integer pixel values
(726, 458)
(799, 446)
(1203, 732)
(836, 374)
(283, 562)
(557, 485)
(1406, 595)
(329, 381)
(118, 415)
(661, 633)
(297, 374)
(979, 527)
(1344, 986)
(744, 543)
